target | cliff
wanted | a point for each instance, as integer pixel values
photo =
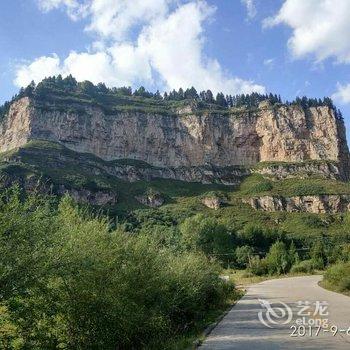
(188, 138)
(115, 149)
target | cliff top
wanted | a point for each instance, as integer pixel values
(59, 92)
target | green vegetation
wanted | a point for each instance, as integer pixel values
(257, 184)
(70, 281)
(305, 266)
(337, 278)
(57, 93)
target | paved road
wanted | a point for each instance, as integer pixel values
(242, 329)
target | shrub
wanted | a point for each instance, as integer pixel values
(258, 266)
(243, 255)
(313, 221)
(338, 277)
(318, 255)
(305, 266)
(308, 189)
(345, 253)
(263, 186)
(277, 258)
(69, 282)
(293, 254)
(207, 235)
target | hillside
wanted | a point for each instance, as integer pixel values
(110, 147)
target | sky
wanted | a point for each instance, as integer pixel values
(288, 47)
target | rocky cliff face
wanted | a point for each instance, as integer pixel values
(311, 204)
(187, 139)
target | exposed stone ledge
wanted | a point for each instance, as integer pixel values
(212, 202)
(328, 170)
(151, 199)
(310, 204)
(86, 196)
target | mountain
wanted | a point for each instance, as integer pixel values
(107, 146)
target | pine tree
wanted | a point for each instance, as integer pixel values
(220, 100)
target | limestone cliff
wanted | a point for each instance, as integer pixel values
(187, 138)
(311, 204)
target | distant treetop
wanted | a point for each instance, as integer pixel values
(69, 85)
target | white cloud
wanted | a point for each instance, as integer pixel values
(342, 94)
(319, 28)
(118, 66)
(37, 70)
(74, 8)
(269, 62)
(175, 47)
(110, 18)
(251, 9)
(169, 48)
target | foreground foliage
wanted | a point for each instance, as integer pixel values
(70, 282)
(337, 277)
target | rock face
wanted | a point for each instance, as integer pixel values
(35, 184)
(151, 199)
(85, 196)
(188, 140)
(212, 202)
(311, 204)
(302, 170)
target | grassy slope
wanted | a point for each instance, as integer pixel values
(182, 199)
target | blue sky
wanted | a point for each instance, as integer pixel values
(288, 47)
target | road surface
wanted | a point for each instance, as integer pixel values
(242, 329)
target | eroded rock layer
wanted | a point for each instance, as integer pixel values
(187, 138)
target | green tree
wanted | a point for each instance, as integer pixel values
(244, 255)
(208, 235)
(318, 254)
(293, 255)
(221, 100)
(87, 87)
(70, 282)
(277, 258)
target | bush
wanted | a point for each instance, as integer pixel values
(318, 254)
(206, 234)
(305, 266)
(338, 277)
(259, 237)
(314, 221)
(277, 258)
(308, 189)
(344, 253)
(69, 282)
(263, 186)
(258, 266)
(243, 255)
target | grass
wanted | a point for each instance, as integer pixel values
(329, 286)
(243, 278)
(197, 335)
(337, 278)
(258, 185)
